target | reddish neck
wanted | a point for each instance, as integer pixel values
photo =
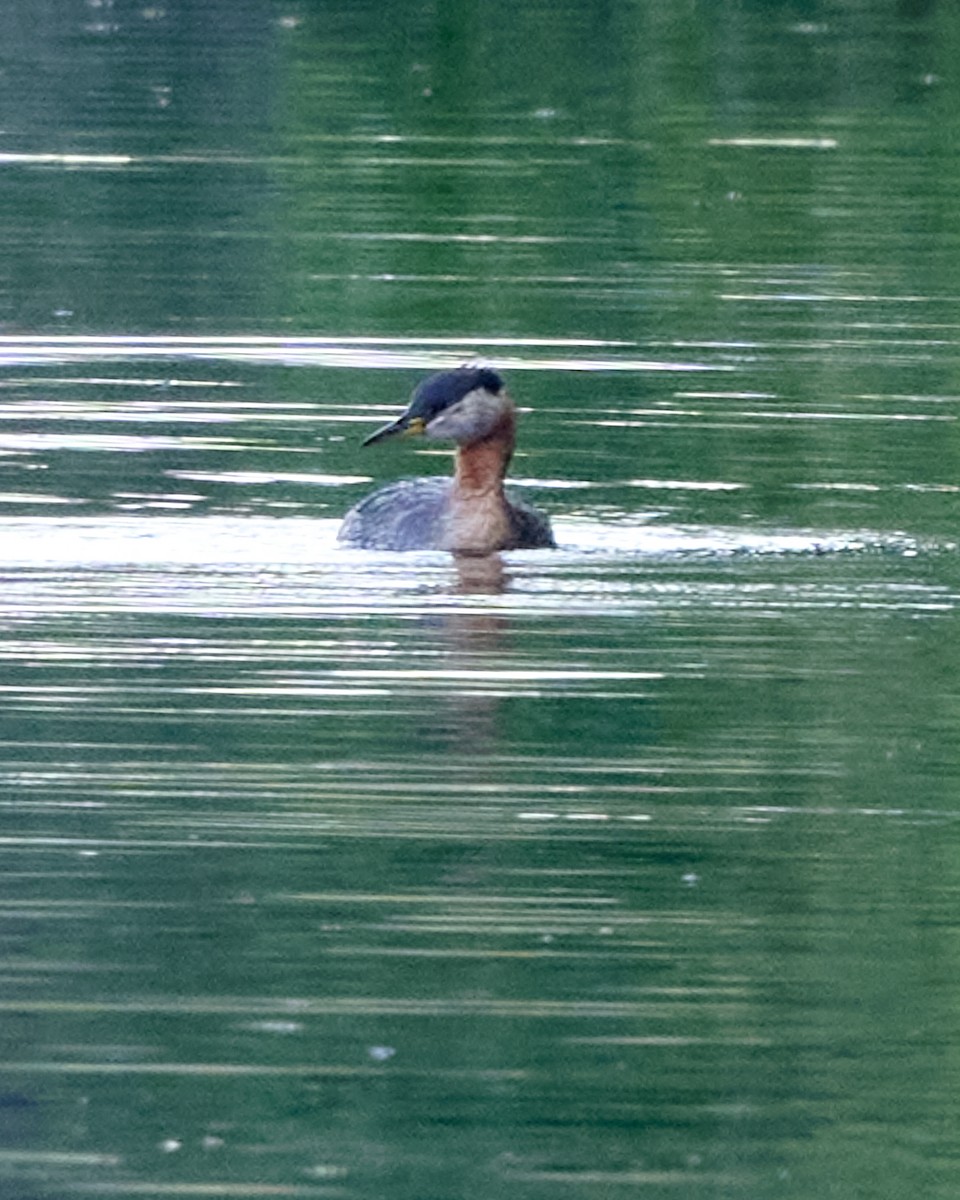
(481, 466)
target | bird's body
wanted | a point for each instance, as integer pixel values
(415, 514)
(472, 513)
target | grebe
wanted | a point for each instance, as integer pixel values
(471, 513)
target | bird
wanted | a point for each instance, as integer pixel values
(471, 513)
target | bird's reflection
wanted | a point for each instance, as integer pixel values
(483, 574)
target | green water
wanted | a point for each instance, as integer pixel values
(625, 869)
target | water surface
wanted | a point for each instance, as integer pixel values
(626, 868)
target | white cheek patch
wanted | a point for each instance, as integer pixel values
(475, 416)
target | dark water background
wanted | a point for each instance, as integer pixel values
(627, 869)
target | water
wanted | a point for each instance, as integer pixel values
(627, 868)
